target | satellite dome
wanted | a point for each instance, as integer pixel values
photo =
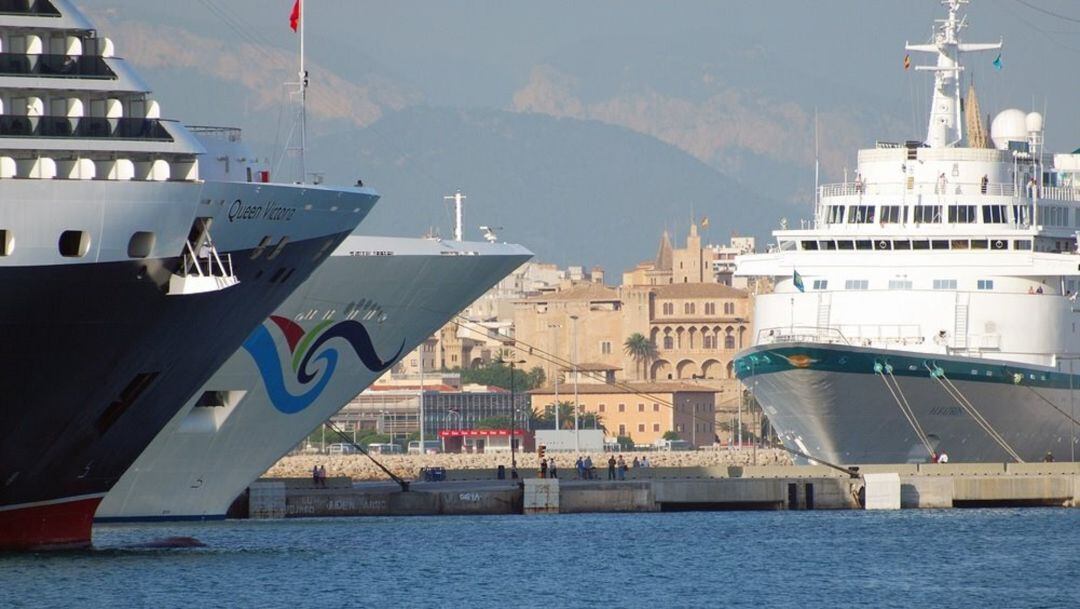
(1009, 126)
(1034, 122)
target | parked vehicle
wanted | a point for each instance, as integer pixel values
(384, 449)
(430, 447)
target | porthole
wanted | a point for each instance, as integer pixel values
(141, 244)
(74, 243)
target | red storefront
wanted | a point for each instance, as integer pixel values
(485, 440)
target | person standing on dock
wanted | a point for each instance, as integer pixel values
(622, 468)
(580, 465)
(315, 475)
(611, 468)
(543, 468)
(553, 470)
(588, 467)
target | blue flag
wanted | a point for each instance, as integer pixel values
(997, 62)
(797, 278)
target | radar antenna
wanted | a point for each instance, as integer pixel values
(946, 123)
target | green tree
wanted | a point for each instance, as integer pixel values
(497, 374)
(545, 419)
(642, 350)
(671, 435)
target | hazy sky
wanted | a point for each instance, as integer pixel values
(476, 53)
(734, 85)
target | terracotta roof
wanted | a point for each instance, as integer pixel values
(699, 290)
(630, 388)
(591, 291)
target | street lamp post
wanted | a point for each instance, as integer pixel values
(574, 363)
(555, 334)
(513, 408)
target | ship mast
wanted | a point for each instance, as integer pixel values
(303, 98)
(946, 123)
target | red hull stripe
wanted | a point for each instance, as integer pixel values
(53, 526)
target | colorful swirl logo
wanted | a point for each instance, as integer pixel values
(305, 349)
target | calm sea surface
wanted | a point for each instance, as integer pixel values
(924, 559)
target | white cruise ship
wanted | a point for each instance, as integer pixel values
(371, 303)
(929, 310)
(129, 273)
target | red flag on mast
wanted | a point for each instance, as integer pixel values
(294, 18)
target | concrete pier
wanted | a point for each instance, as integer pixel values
(681, 489)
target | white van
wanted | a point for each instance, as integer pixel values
(341, 449)
(384, 449)
(430, 447)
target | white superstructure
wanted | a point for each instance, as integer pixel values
(942, 252)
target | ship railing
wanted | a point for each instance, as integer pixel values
(991, 189)
(801, 334)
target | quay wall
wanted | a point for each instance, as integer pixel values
(921, 486)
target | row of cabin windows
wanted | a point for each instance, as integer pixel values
(901, 284)
(953, 214)
(76, 243)
(914, 244)
(689, 308)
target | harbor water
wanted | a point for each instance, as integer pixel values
(911, 558)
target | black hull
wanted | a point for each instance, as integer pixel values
(96, 358)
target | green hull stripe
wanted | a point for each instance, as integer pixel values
(840, 359)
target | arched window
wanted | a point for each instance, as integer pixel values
(669, 343)
(729, 342)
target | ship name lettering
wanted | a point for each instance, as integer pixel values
(271, 211)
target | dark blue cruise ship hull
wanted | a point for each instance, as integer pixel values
(96, 358)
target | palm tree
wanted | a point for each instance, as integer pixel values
(642, 350)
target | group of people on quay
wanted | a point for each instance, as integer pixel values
(586, 470)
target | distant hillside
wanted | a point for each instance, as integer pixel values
(576, 192)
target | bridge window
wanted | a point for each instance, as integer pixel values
(961, 214)
(893, 214)
(900, 284)
(1022, 244)
(902, 244)
(809, 245)
(860, 214)
(928, 214)
(834, 214)
(985, 284)
(994, 214)
(821, 284)
(944, 284)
